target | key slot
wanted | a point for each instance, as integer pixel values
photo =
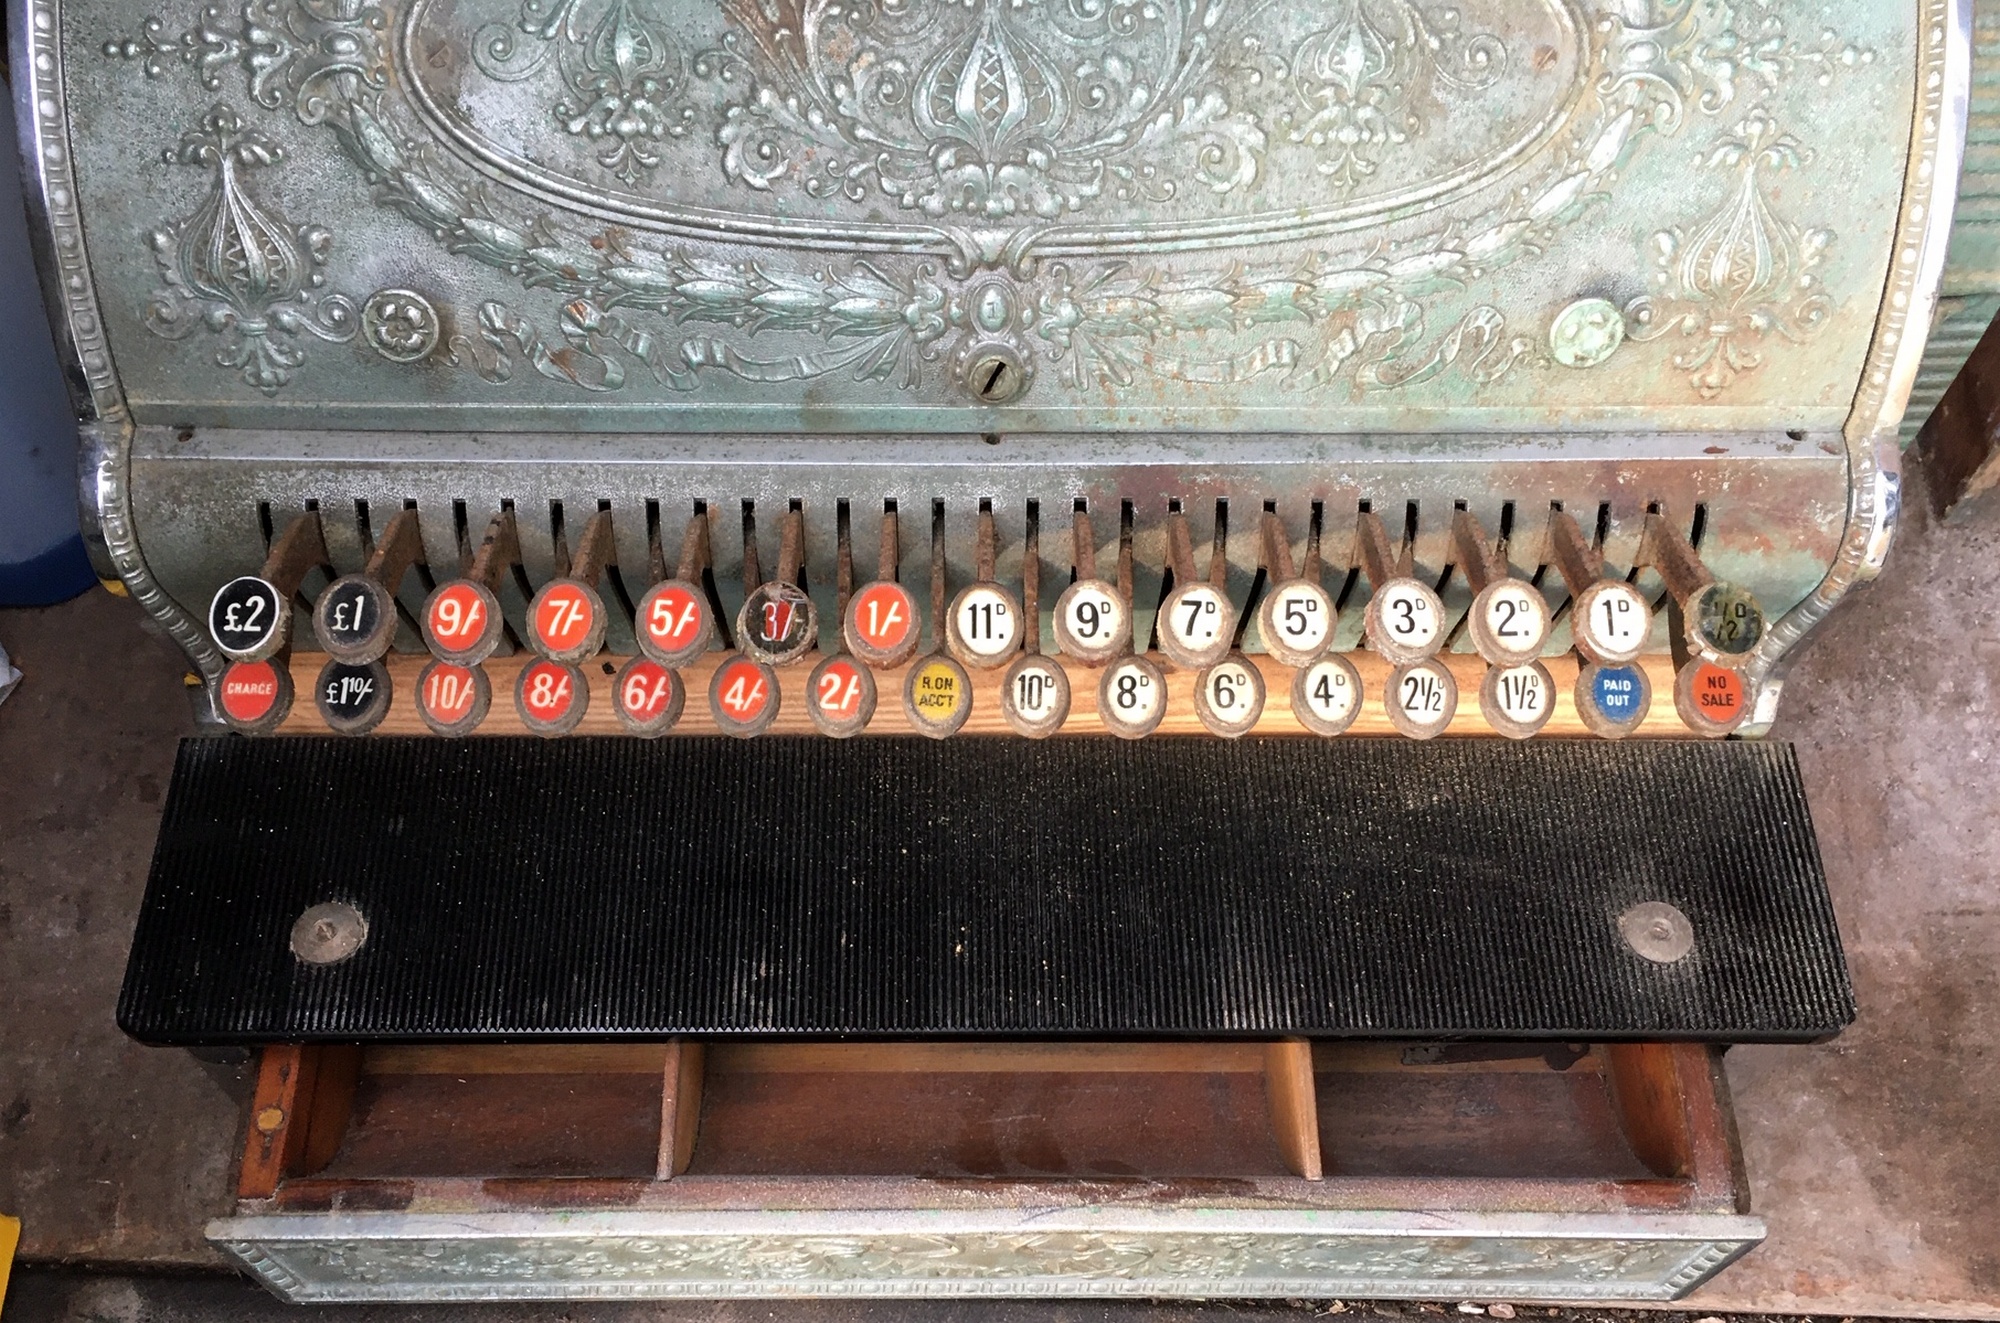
(357, 618)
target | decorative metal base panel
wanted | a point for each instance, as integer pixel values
(602, 888)
(1016, 1252)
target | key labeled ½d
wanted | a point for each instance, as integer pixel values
(255, 696)
(1197, 621)
(352, 698)
(840, 696)
(1421, 698)
(647, 697)
(743, 697)
(1719, 621)
(250, 617)
(1610, 620)
(566, 620)
(983, 625)
(1404, 621)
(1132, 696)
(673, 624)
(355, 618)
(1326, 696)
(551, 697)
(1229, 696)
(462, 623)
(1612, 701)
(778, 623)
(1713, 700)
(1296, 618)
(880, 624)
(1093, 618)
(453, 699)
(937, 696)
(1517, 701)
(1509, 618)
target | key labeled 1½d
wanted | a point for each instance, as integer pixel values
(1517, 701)
(453, 699)
(1326, 696)
(1229, 696)
(352, 698)
(1421, 698)
(647, 697)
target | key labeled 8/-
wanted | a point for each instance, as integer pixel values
(551, 697)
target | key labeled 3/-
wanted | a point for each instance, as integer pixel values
(453, 699)
(777, 624)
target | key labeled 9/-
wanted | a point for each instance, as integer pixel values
(1326, 696)
(983, 626)
(453, 699)
(1034, 696)
(1197, 625)
(1611, 621)
(1295, 621)
(881, 627)
(551, 697)
(1421, 698)
(566, 621)
(352, 699)
(1404, 621)
(840, 696)
(1517, 701)
(249, 619)
(673, 624)
(1229, 696)
(1132, 697)
(743, 697)
(647, 697)
(462, 622)
(254, 696)
(1092, 622)
(1509, 622)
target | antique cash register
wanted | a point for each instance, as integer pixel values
(989, 646)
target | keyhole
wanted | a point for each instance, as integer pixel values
(996, 378)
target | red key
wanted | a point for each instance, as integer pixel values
(255, 695)
(673, 623)
(551, 697)
(457, 618)
(563, 619)
(648, 697)
(453, 699)
(882, 623)
(840, 696)
(744, 696)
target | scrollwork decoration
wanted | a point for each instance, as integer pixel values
(237, 268)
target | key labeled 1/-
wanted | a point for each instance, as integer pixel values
(551, 697)
(352, 699)
(255, 696)
(840, 696)
(453, 699)
(1326, 696)
(743, 697)
(1517, 701)
(1421, 699)
(881, 624)
(1034, 696)
(647, 697)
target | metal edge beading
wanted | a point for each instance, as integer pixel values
(1909, 299)
(56, 233)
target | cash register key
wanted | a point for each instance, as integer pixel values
(937, 696)
(743, 696)
(647, 697)
(1517, 701)
(1509, 622)
(566, 621)
(1713, 700)
(1295, 620)
(1326, 696)
(352, 698)
(1132, 697)
(778, 623)
(1034, 695)
(984, 625)
(453, 699)
(1197, 625)
(249, 619)
(1093, 623)
(355, 619)
(1612, 700)
(1610, 620)
(1404, 621)
(840, 696)
(1724, 621)
(255, 696)
(462, 623)
(881, 627)
(551, 697)
(1421, 698)
(1229, 696)
(674, 623)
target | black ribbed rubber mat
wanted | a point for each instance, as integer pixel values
(518, 888)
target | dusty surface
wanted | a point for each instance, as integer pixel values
(1873, 1158)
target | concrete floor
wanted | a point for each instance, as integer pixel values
(1874, 1158)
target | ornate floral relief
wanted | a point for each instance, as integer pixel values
(238, 269)
(316, 54)
(1743, 276)
(1362, 79)
(625, 77)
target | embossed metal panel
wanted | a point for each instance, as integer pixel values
(990, 214)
